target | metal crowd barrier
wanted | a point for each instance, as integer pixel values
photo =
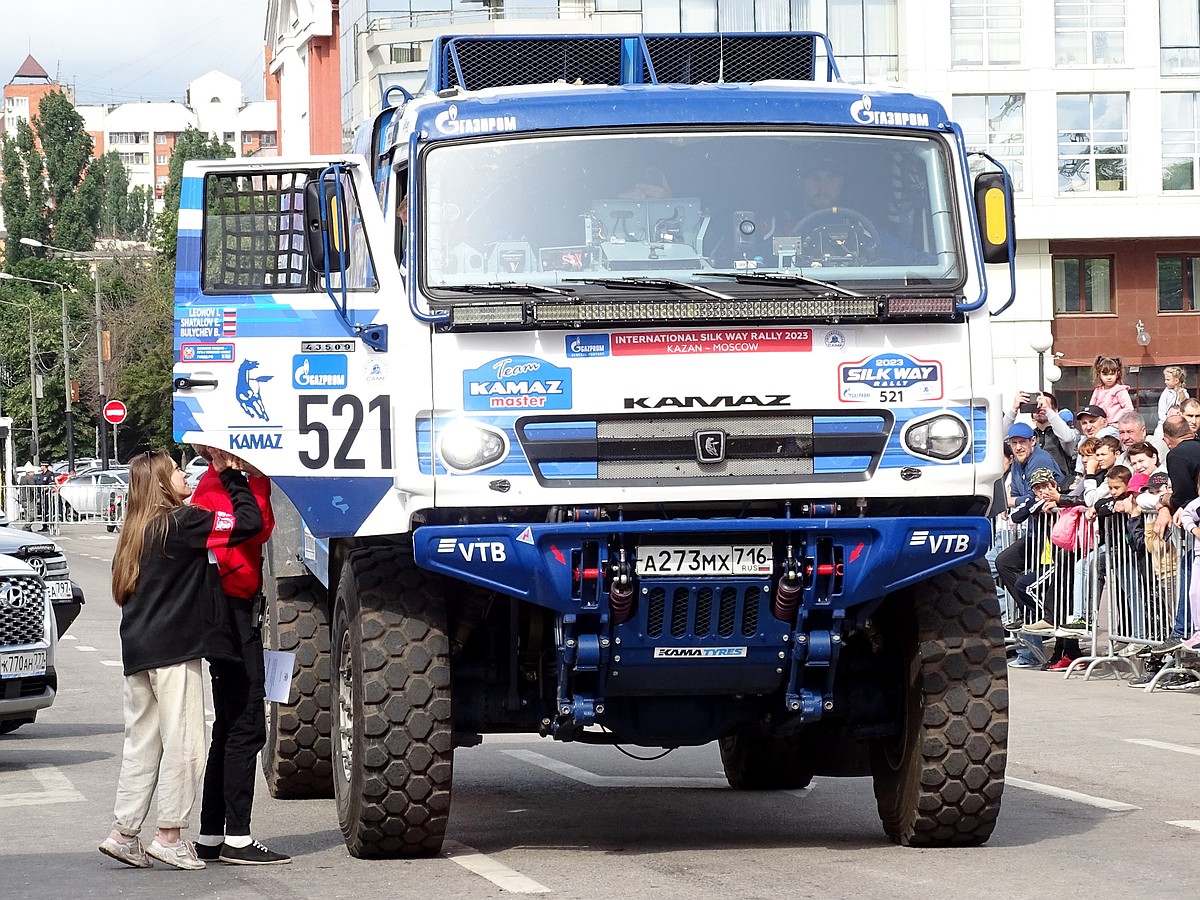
(40, 507)
(1117, 590)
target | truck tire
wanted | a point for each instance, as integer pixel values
(297, 760)
(756, 762)
(939, 782)
(392, 738)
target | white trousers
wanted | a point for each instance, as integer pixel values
(165, 746)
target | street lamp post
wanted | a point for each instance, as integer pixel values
(1040, 343)
(103, 391)
(66, 363)
(33, 412)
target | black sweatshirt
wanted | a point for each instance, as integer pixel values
(177, 611)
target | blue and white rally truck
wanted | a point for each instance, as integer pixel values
(585, 420)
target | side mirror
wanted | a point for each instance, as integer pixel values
(325, 223)
(994, 211)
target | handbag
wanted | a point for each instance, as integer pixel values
(1072, 531)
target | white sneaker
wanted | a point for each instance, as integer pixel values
(130, 852)
(181, 854)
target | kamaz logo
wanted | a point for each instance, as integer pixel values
(255, 441)
(699, 652)
(724, 400)
(941, 543)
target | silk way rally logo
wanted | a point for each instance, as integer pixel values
(517, 382)
(891, 377)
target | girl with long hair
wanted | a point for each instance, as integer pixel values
(173, 616)
(1174, 393)
(1111, 393)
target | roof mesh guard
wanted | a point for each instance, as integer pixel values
(476, 62)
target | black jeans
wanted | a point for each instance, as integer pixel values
(239, 728)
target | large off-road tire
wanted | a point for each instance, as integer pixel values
(938, 783)
(755, 762)
(392, 740)
(297, 759)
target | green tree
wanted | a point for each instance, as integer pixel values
(114, 194)
(192, 144)
(74, 200)
(23, 193)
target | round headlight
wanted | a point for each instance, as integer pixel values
(943, 437)
(468, 447)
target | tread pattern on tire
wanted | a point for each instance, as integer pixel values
(947, 792)
(754, 762)
(399, 802)
(297, 757)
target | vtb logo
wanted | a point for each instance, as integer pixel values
(710, 446)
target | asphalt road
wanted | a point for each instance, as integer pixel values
(1100, 801)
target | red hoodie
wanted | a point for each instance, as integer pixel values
(240, 566)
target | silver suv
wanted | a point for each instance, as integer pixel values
(28, 639)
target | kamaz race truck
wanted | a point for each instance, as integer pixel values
(583, 422)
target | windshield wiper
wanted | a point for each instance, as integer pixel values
(503, 287)
(783, 278)
(639, 283)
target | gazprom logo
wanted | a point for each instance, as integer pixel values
(588, 345)
(319, 371)
(861, 111)
(448, 122)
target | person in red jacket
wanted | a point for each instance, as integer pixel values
(240, 725)
(172, 617)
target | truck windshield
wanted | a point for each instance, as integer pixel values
(866, 212)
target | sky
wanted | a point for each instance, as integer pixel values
(119, 50)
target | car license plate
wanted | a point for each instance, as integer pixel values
(59, 589)
(23, 665)
(706, 562)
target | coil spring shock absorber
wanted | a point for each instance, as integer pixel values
(621, 591)
(788, 591)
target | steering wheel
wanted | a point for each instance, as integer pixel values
(821, 222)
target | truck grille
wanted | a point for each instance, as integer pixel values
(659, 449)
(709, 611)
(22, 610)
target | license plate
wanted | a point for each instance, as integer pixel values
(59, 589)
(23, 665)
(707, 561)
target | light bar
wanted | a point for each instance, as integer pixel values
(489, 314)
(675, 310)
(921, 306)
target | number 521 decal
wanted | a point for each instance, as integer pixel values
(344, 419)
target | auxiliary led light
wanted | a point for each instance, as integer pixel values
(942, 437)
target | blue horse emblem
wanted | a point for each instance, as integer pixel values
(249, 394)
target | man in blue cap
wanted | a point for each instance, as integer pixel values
(1027, 456)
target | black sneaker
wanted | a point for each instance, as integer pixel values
(253, 854)
(208, 851)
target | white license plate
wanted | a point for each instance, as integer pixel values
(59, 589)
(708, 561)
(23, 665)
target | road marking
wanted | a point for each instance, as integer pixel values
(115, 663)
(56, 788)
(68, 637)
(493, 870)
(1163, 745)
(1074, 796)
(583, 776)
(1193, 824)
(84, 648)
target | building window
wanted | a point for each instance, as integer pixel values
(1089, 32)
(268, 139)
(160, 159)
(160, 139)
(1180, 141)
(411, 52)
(1177, 283)
(985, 32)
(865, 37)
(133, 159)
(995, 124)
(1179, 37)
(1082, 285)
(1093, 142)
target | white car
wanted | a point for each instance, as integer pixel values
(93, 493)
(194, 469)
(28, 639)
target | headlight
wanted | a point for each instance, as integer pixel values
(468, 447)
(942, 437)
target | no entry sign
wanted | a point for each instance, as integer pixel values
(114, 412)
